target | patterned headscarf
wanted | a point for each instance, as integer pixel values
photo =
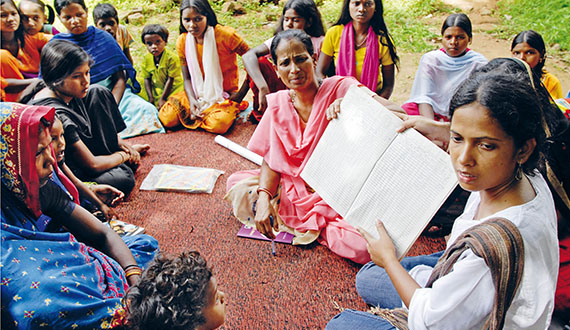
(20, 126)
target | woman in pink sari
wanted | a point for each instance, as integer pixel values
(286, 136)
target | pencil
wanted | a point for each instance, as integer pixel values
(273, 240)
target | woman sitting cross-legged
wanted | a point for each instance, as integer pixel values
(61, 267)
(289, 130)
(500, 267)
(90, 117)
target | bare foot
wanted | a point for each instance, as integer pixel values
(141, 148)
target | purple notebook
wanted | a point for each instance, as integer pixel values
(281, 237)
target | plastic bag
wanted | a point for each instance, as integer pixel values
(168, 177)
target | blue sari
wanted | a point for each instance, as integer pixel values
(49, 280)
(140, 116)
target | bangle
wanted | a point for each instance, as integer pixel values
(130, 266)
(122, 157)
(265, 190)
(133, 271)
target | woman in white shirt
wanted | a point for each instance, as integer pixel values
(496, 135)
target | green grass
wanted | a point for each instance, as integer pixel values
(550, 18)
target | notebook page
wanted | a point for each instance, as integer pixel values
(407, 186)
(349, 148)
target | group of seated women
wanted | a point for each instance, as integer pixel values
(501, 263)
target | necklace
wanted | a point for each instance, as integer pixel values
(293, 94)
(361, 43)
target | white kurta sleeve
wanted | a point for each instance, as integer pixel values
(462, 299)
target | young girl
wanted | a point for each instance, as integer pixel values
(361, 46)
(110, 68)
(529, 47)
(500, 266)
(34, 17)
(91, 119)
(207, 50)
(441, 71)
(297, 14)
(20, 54)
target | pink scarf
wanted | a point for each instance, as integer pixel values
(346, 65)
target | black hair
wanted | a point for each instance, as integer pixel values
(59, 59)
(534, 39)
(511, 101)
(105, 10)
(308, 10)
(460, 20)
(60, 4)
(161, 30)
(43, 6)
(19, 34)
(202, 7)
(171, 294)
(288, 35)
(377, 23)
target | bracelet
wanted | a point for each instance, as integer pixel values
(130, 266)
(265, 190)
(133, 271)
(122, 157)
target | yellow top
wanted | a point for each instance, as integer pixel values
(552, 84)
(331, 47)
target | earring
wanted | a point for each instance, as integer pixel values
(518, 172)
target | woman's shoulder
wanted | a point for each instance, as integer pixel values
(334, 31)
(224, 30)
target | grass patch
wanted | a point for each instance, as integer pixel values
(547, 17)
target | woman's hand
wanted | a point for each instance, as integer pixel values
(134, 156)
(436, 132)
(334, 109)
(195, 111)
(107, 194)
(262, 221)
(382, 250)
(262, 99)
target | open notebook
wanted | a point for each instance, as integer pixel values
(367, 171)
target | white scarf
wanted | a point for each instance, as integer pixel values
(439, 75)
(211, 89)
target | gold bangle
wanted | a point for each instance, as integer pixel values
(133, 271)
(122, 157)
(265, 190)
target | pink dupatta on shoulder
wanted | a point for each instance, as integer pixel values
(346, 65)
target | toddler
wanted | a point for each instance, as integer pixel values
(161, 66)
(178, 293)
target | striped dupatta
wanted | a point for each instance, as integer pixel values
(499, 242)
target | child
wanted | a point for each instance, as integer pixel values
(20, 53)
(529, 47)
(207, 51)
(361, 47)
(441, 71)
(178, 293)
(106, 18)
(34, 17)
(297, 14)
(160, 68)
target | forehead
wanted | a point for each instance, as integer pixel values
(72, 8)
(191, 12)
(7, 7)
(152, 37)
(290, 47)
(523, 46)
(291, 13)
(475, 120)
(45, 138)
(107, 20)
(30, 7)
(454, 30)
